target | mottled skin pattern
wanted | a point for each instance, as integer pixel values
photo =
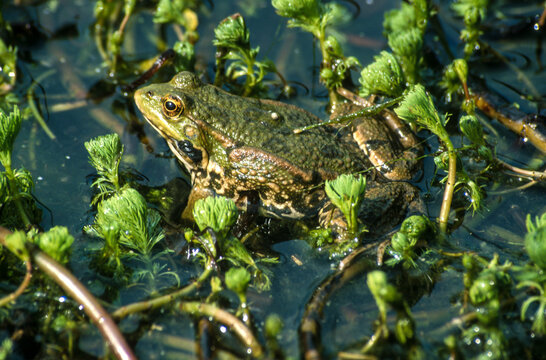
(232, 145)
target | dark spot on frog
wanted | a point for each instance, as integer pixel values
(192, 153)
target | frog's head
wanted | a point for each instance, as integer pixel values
(169, 108)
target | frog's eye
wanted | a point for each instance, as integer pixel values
(172, 106)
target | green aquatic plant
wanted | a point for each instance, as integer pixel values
(533, 277)
(404, 29)
(56, 242)
(418, 108)
(8, 75)
(185, 56)
(181, 12)
(488, 286)
(232, 39)
(387, 296)
(535, 240)
(316, 17)
(414, 229)
(382, 77)
(105, 153)
(237, 280)
(19, 209)
(219, 214)
(347, 192)
(473, 13)
(128, 212)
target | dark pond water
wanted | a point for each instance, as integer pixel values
(63, 42)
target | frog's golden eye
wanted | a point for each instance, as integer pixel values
(172, 106)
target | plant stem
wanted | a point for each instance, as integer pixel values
(326, 61)
(15, 196)
(162, 300)
(243, 333)
(76, 290)
(32, 104)
(14, 295)
(450, 186)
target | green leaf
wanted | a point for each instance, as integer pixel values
(383, 77)
(10, 124)
(218, 213)
(418, 107)
(237, 280)
(128, 213)
(347, 192)
(57, 243)
(105, 154)
(232, 33)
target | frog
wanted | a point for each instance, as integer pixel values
(233, 146)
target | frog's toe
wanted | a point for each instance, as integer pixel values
(331, 217)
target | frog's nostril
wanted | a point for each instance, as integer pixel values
(150, 93)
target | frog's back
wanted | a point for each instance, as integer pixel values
(268, 125)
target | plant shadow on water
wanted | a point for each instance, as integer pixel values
(468, 282)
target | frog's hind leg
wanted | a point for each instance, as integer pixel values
(385, 206)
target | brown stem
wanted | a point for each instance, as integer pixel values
(243, 333)
(542, 18)
(514, 120)
(537, 175)
(76, 290)
(14, 295)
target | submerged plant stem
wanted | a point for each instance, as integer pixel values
(232, 322)
(16, 197)
(14, 295)
(32, 104)
(162, 300)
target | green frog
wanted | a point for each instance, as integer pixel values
(235, 146)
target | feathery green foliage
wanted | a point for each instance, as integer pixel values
(105, 154)
(233, 41)
(10, 124)
(218, 213)
(347, 192)
(418, 108)
(56, 242)
(473, 13)
(382, 77)
(127, 211)
(535, 240)
(406, 46)
(316, 17)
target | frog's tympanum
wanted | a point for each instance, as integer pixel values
(233, 146)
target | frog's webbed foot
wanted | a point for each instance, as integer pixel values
(330, 217)
(387, 204)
